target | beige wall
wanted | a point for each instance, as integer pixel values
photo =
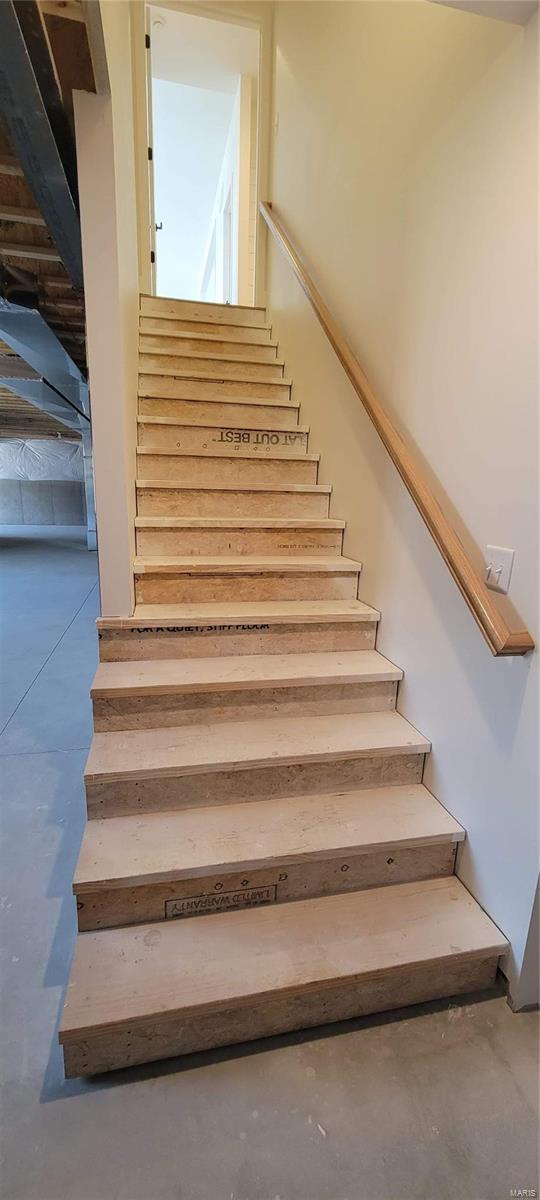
(105, 157)
(405, 165)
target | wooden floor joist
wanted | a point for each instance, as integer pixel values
(9, 165)
(20, 216)
(18, 250)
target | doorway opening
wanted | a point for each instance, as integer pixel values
(203, 84)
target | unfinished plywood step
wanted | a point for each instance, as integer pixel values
(167, 433)
(244, 577)
(236, 535)
(209, 365)
(168, 692)
(233, 412)
(168, 326)
(156, 498)
(190, 387)
(176, 865)
(169, 342)
(152, 770)
(203, 630)
(198, 310)
(146, 992)
(221, 464)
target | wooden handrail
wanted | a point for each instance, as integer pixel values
(501, 638)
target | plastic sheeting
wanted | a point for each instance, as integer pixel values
(41, 458)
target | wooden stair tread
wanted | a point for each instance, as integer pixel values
(238, 523)
(148, 300)
(175, 484)
(218, 336)
(243, 745)
(271, 453)
(215, 356)
(156, 847)
(175, 967)
(169, 676)
(263, 401)
(174, 421)
(242, 564)
(269, 612)
(191, 373)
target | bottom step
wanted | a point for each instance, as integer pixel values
(148, 992)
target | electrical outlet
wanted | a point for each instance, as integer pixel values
(499, 563)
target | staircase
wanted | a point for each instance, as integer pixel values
(248, 764)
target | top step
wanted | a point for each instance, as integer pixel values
(195, 310)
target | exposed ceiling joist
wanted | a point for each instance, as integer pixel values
(49, 281)
(38, 45)
(32, 139)
(18, 250)
(21, 419)
(62, 306)
(9, 165)
(22, 216)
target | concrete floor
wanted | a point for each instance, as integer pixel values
(436, 1104)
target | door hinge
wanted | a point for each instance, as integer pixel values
(152, 256)
(147, 40)
(150, 154)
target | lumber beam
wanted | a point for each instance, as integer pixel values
(9, 165)
(20, 216)
(19, 250)
(33, 141)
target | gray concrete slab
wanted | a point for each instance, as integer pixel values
(435, 1103)
(56, 713)
(46, 575)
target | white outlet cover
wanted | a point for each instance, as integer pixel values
(499, 563)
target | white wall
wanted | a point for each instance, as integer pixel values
(405, 165)
(236, 180)
(202, 50)
(106, 170)
(212, 283)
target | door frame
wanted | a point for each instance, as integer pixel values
(255, 13)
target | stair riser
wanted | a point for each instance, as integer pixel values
(127, 797)
(209, 641)
(151, 343)
(232, 416)
(189, 589)
(189, 437)
(160, 712)
(164, 386)
(232, 333)
(190, 469)
(246, 887)
(155, 1038)
(182, 542)
(216, 314)
(180, 503)
(208, 368)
